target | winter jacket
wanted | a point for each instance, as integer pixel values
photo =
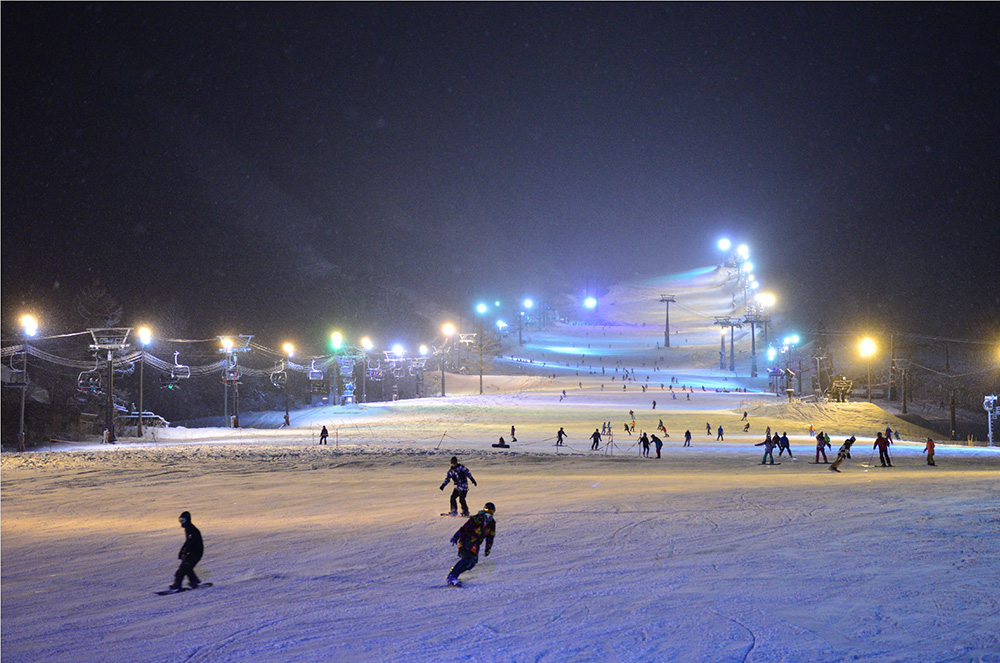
(929, 448)
(881, 443)
(461, 475)
(193, 547)
(768, 444)
(476, 529)
(845, 448)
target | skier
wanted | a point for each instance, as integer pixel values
(190, 553)
(644, 440)
(323, 434)
(746, 427)
(783, 445)
(720, 437)
(512, 438)
(596, 437)
(687, 438)
(658, 442)
(744, 416)
(628, 430)
(654, 404)
(929, 450)
(842, 453)
(708, 428)
(882, 445)
(476, 530)
(661, 426)
(559, 436)
(768, 445)
(460, 476)
(822, 441)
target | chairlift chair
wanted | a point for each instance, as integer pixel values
(179, 371)
(279, 378)
(90, 381)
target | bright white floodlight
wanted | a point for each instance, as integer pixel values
(724, 244)
(590, 302)
(481, 308)
(528, 303)
(743, 251)
(29, 324)
(366, 343)
(423, 350)
(397, 350)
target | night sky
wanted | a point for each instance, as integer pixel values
(282, 169)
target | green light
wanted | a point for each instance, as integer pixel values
(336, 340)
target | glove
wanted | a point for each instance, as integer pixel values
(442, 486)
(454, 541)
(475, 484)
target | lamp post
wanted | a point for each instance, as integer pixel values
(867, 348)
(448, 330)
(289, 351)
(666, 299)
(366, 346)
(145, 336)
(29, 326)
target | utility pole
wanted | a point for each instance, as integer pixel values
(110, 340)
(666, 299)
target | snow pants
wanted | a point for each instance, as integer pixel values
(930, 459)
(768, 454)
(821, 450)
(186, 569)
(658, 454)
(883, 457)
(459, 496)
(466, 560)
(781, 450)
(836, 463)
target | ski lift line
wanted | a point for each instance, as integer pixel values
(952, 375)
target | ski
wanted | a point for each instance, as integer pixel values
(183, 589)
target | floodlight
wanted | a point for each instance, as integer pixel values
(366, 343)
(145, 335)
(423, 350)
(590, 302)
(397, 350)
(289, 349)
(481, 308)
(724, 244)
(448, 329)
(528, 303)
(743, 251)
(337, 340)
(29, 324)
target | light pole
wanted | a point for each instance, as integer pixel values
(29, 325)
(448, 330)
(666, 299)
(867, 348)
(289, 351)
(528, 303)
(145, 336)
(366, 346)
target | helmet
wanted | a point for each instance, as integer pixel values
(490, 508)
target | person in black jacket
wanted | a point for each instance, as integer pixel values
(461, 476)
(190, 553)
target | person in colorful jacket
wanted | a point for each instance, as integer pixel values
(478, 530)
(822, 441)
(768, 444)
(929, 450)
(461, 476)
(882, 444)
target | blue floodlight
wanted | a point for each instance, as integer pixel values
(748, 266)
(481, 308)
(497, 303)
(590, 302)
(501, 325)
(793, 339)
(528, 303)
(771, 353)
(743, 251)
(397, 350)
(724, 244)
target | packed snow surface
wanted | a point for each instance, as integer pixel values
(338, 552)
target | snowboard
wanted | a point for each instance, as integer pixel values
(825, 462)
(770, 463)
(183, 589)
(455, 515)
(502, 446)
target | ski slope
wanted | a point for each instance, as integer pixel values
(337, 553)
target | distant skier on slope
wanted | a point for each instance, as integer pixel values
(190, 553)
(323, 434)
(929, 450)
(687, 438)
(708, 428)
(720, 436)
(882, 444)
(843, 453)
(822, 441)
(596, 437)
(460, 476)
(478, 529)
(784, 445)
(768, 445)
(644, 440)
(559, 436)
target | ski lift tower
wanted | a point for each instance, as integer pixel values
(110, 340)
(990, 405)
(232, 346)
(666, 299)
(732, 324)
(753, 318)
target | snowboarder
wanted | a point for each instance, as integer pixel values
(882, 444)
(190, 553)
(720, 436)
(746, 427)
(687, 438)
(843, 453)
(768, 445)
(323, 434)
(929, 450)
(627, 429)
(658, 442)
(644, 440)
(654, 405)
(596, 437)
(708, 428)
(661, 427)
(478, 529)
(559, 436)
(783, 445)
(744, 416)
(822, 441)
(512, 438)
(460, 476)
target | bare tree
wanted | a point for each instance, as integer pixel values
(97, 307)
(481, 351)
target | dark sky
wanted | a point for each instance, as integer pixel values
(285, 168)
